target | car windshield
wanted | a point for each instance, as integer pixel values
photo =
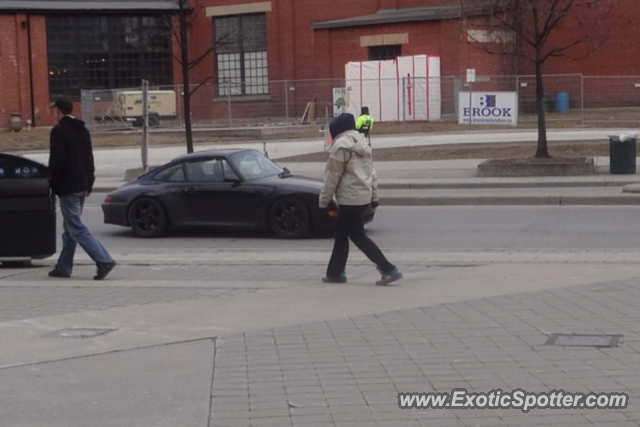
(252, 165)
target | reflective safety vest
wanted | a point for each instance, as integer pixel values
(364, 124)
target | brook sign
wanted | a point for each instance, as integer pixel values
(488, 108)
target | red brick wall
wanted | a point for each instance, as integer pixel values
(15, 91)
(297, 52)
(44, 115)
(10, 64)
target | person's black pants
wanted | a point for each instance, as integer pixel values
(350, 225)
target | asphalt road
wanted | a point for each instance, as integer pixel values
(443, 227)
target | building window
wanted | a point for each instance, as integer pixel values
(241, 55)
(380, 53)
(107, 52)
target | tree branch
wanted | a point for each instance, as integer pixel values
(194, 62)
(202, 83)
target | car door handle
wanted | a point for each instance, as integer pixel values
(190, 190)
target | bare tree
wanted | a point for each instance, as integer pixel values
(537, 30)
(180, 31)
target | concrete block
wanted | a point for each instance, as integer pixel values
(558, 166)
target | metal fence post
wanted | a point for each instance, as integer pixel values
(518, 91)
(145, 125)
(286, 100)
(404, 100)
(229, 105)
(470, 103)
(88, 113)
(180, 101)
(581, 99)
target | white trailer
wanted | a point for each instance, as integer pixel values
(128, 105)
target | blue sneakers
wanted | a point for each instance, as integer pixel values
(394, 275)
(342, 278)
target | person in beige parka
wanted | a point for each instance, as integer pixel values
(350, 178)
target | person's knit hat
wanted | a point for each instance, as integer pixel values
(342, 123)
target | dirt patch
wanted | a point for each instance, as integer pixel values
(474, 151)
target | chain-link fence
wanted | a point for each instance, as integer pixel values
(583, 100)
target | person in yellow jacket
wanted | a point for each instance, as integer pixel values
(364, 124)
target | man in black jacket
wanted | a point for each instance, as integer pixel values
(72, 174)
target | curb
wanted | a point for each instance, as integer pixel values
(460, 185)
(510, 201)
(492, 200)
(498, 185)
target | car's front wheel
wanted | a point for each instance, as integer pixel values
(147, 218)
(289, 219)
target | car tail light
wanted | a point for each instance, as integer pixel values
(108, 198)
(332, 213)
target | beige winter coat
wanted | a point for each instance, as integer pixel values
(349, 175)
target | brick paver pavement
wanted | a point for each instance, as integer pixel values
(347, 373)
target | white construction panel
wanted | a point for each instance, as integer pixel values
(434, 91)
(406, 88)
(412, 73)
(369, 96)
(353, 84)
(389, 91)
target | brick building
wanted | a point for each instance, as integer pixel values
(261, 44)
(53, 48)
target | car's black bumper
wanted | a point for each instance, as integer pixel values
(115, 213)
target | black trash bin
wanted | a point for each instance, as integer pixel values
(622, 155)
(27, 210)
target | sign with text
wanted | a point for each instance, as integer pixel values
(488, 108)
(471, 75)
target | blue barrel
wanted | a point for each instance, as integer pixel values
(562, 102)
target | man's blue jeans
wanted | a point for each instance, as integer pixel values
(75, 233)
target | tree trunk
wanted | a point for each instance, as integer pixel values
(186, 97)
(542, 152)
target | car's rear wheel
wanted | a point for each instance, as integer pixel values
(289, 219)
(147, 218)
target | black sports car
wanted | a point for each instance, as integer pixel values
(228, 188)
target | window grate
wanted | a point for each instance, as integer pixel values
(241, 55)
(381, 53)
(103, 52)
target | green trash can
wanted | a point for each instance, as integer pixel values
(622, 154)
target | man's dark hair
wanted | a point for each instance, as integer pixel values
(64, 105)
(364, 110)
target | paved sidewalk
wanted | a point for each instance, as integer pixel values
(243, 338)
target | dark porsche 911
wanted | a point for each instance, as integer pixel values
(225, 188)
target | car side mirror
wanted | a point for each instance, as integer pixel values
(232, 177)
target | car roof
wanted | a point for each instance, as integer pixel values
(210, 153)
